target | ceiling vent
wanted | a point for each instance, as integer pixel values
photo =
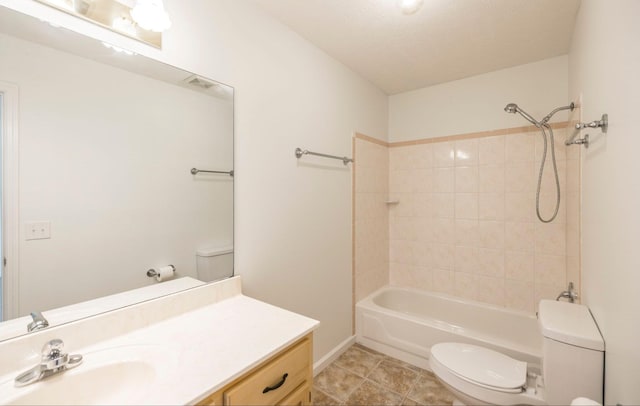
(199, 82)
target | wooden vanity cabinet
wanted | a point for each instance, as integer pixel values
(284, 379)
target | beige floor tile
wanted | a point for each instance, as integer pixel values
(319, 398)
(337, 382)
(428, 391)
(388, 382)
(371, 394)
(358, 361)
(393, 376)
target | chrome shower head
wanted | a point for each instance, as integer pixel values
(513, 108)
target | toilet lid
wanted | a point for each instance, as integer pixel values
(481, 365)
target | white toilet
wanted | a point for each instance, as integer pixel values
(572, 364)
(214, 263)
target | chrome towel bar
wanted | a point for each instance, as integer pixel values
(344, 159)
(195, 171)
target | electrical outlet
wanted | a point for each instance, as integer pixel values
(38, 230)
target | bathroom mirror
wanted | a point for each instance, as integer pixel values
(102, 156)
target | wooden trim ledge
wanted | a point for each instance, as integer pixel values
(458, 137)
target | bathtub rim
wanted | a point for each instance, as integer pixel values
(446, 296)
(368, 304)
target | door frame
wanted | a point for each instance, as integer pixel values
(10, 200)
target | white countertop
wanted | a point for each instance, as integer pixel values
(194, 353)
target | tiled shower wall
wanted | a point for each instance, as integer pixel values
(464, 220)
(371, 217)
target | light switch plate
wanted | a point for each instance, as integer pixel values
(38, 230)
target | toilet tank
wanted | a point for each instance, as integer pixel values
(572, 353)
(214, 263)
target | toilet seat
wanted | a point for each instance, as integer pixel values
(481, 366)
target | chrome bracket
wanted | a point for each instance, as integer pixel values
(580, 141)
(602, 123)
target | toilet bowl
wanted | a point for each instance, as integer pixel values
(572, 364)
(480, 376)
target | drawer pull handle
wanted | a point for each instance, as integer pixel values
(276, 386)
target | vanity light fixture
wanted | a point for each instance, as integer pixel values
(124, 25)
(410, 6)
(151, 15)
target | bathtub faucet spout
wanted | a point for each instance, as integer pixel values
(570, 293)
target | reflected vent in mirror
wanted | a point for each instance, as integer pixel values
(199, 82)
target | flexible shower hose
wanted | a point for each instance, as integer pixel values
(555, 170)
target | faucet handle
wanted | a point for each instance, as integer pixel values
(53, 349)
(53, 356)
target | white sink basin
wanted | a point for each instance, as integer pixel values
(121, 375)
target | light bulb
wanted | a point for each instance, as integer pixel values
(151, 15)
(410, 6)
(124, 25)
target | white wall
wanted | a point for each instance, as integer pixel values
(476, 103)
(293, 220)
(105, 157)
(604, 66)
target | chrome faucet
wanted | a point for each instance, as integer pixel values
(570, 293)
(54, 360)
(38, 323)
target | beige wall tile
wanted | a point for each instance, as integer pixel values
(491, 262)
(443, 180)
(464, 285)
(466, 152)
(399, 158)
(443, 205)
(467, 259)
(490, 290)
(491, 150)
(491, 234)
(520, 236)
(443, 231)
(519, 148)
(443, 154)
(466, 206)
(443, 256)
(491, 206)
(550, 239)
(466, 179)
(467, 232)
(491, 179)
(519, 207)
(519, 266)
(521, 177)
(422, 205)
(399, 181)
(551, 269)
(518, 295)
(443, 281)
(421, 156)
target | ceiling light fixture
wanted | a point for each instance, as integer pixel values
(151, 15)
(410, 6)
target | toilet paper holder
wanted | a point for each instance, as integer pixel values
(152, 273)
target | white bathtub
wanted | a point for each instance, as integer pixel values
(405, 323)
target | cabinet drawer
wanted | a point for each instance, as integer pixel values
(274, 381)
(299, 397)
